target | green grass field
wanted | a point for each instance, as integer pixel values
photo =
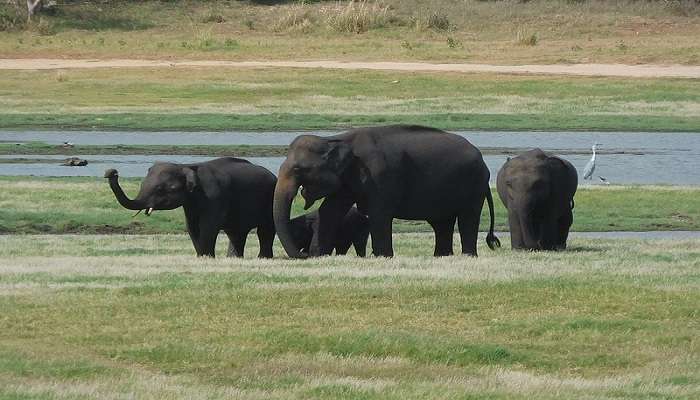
(259, 99)
(86, 205)
(139, 317)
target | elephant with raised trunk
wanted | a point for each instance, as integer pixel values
(353, 231)
(398, 171)
(226, 194)
(538, 190)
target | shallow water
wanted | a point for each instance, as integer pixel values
(637, 158)
(127, 165)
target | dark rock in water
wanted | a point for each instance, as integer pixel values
(75, 162)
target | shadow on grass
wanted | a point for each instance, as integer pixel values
(584, 249)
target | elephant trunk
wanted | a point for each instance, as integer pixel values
(285, 190)
(113, 178)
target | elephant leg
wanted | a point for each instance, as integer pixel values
(360, 243)
(207, 241)
(468, 222)
(192, 223)
(380, 229)
(516, 233)
(330, 216)
(236, 245)
(444, 232)
(266, 238)
(564, 224)
(550, 232)
(194, 237)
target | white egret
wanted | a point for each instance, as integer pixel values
(590, 167)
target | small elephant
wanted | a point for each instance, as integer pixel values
(398, 171)
(228, 194)
(353, 230)
(538, 191)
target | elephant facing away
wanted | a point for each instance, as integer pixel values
(353, 231)
(538, 190)
(398, 171)
(226, 194)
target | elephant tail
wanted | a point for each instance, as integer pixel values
(491, 239)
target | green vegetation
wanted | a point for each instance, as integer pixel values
(140, 317)
(198, 122)
(268, 99)
(86, 205)
(39, 149)
(503, 32)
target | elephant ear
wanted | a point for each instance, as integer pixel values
(338, 156)
(191, 180)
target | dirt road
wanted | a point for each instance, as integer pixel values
(635, 71)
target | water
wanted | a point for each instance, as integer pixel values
(128, 165)
(627, 157)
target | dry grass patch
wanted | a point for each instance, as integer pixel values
(652, 31)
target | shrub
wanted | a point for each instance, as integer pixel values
(435, 20)
(213, 17)
(45, 28)
(358, 17)
(231, 44)
(453, 43)
(10, 20)
(296, 18)
(683, 8)
(438, 21)
(526, 39)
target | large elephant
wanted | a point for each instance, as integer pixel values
(353, 231)
(226, 194)
(399, 171)
(538, 191)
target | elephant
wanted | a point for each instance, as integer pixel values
(398, 171)
(538, 191)
(353, 231)
(228, 194)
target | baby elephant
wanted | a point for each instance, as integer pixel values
(538, 191)
(354, 230)
(226, 194)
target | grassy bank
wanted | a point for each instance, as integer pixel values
(134, 317)
(506, 32)
(38, 149)
(269, 99)
(252, 122)
(86, 205)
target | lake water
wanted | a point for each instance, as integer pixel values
(626, 157)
